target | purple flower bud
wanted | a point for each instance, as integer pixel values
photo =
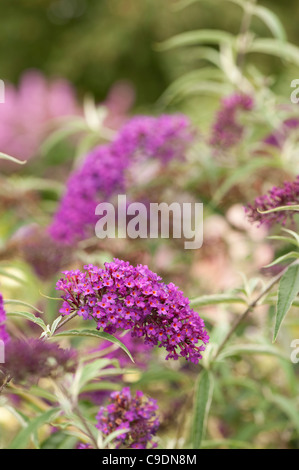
(227, 130)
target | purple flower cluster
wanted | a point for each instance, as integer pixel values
(46, 256)
(3, 333)
(137, 415)
(121, 296)
(28, 360)
(27, 114)
(80, 445)
(226, 130)
(287, 195)
(102, 174)
(277, 138)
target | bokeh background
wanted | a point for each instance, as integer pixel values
(94, 43)
(110, 51)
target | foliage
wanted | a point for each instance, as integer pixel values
(242, 285)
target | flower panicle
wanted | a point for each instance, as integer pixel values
(102, 174)
(276, 197)
(123, 297)
(137, 415)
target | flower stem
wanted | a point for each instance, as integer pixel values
(250, 307)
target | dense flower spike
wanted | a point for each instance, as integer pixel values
(26, 115)
(227, 131)
(138, 415)
(287, 195)
(3, 333)
(102, 174)
(28, 360)
(121, 296)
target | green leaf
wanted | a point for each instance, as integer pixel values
(283, 50)
(185, 3)
(20, 302)
(242, 173)
(100, 385)
(55, 324)
(91, 371)
(283, 239)
(287, 292)
(190, 81)
(61, 134)
(193, 38)
(202, 402)
(9, 275)
(242, 349)
(29, 316)
(114, 435)
(22, 438)
(271, 20)
(287, 405)
(294, 207)
(229, 443)
(95, 334)
(216, 299)
(294, 234)
(290, 255)
(4, 156)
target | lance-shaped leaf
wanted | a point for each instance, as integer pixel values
(287, 292)
(29, 316)
(193, 38)
(202, 402)
(293, 207)
(95, 334)
(22, 438)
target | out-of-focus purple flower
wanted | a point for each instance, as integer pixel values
(277, 138)
(122, 296)
(28, 360)
(4, 336)
(26, 117)
(136, 414)
(37, 247)
(287, 195)
(83, 446)
(227, 131)
(102, 174)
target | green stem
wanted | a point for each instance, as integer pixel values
(250, 307)
(245, 26)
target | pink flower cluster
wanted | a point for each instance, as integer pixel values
(26, 116)
(121, 296)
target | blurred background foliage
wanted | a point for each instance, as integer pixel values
(94, 43)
